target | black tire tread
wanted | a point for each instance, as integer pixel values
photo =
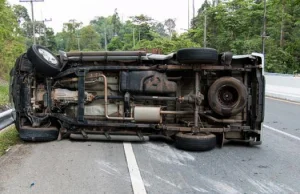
(31, 134)
(217, 107)
(195, 142)
(41, 65)
(197, 56)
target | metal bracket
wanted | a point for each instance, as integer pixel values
(49, 100)
(107, 135)
(140, 136)
(222, 140)
(81, 93)
(84, 134)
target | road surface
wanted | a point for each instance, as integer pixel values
(155, 167)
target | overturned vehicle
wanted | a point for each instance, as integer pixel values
(196, 96)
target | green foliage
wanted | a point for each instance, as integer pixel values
(234, 25)
(237, 26)
(11, 39)
(115, 44)
(166, 45)
(89, 39)
(4, 97)
(8, 138)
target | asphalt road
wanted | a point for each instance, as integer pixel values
(154, 167)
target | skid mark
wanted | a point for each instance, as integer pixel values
(160, 179)
(264, 186)
(165, 154)
(200, 190)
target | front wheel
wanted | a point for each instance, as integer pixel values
(45, 62)
(39, 134)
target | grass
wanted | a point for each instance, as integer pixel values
(4, 95)
(8, 138)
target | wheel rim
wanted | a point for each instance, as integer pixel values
(228, 96)
(48, 56)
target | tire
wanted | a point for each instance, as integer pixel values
(199, 142)
(197, 56)
(42, 65)
(227, 96)
(31, 134)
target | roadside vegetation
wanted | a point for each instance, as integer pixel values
(4, 97)
(233, 25)
(8, 138)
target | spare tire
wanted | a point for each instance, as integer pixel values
(195, 142)
(44, 61)
(227, 96)
(197, 56)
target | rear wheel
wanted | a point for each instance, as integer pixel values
(195, 142)
(44, 60)
(197, 56)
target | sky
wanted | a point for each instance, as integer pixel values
(61, 11)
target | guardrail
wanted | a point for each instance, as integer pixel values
(6, 118)
(284, 86)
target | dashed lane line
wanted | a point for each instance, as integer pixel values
(281, 132)
(138, 186)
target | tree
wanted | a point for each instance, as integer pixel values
(166, 45)
(71, 36)
(104, 27)
(141, 19)
(116, 23)
(160, 29)
(89, 39)
(115, 44)
(143, 25)
(170, 23)
(11, 39)
(21, 13)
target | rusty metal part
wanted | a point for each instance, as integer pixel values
(197, 86)
(144, 67)
(176, 112)
(106, 104)
(175, 78)
(147, 114)
(192, 99)
(162, 98)
(221, 120)
(69, 96)
(119, 118)
(222, 139)
(149, 82)
(109, 137)
(90, 123)
(190, 129)
(107, 53)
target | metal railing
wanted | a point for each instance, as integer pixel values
(7, 118)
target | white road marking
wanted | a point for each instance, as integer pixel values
(138, 186)
(282, 100)
(290, 95)
(283, 133)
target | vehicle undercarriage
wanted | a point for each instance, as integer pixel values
(196, 96)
